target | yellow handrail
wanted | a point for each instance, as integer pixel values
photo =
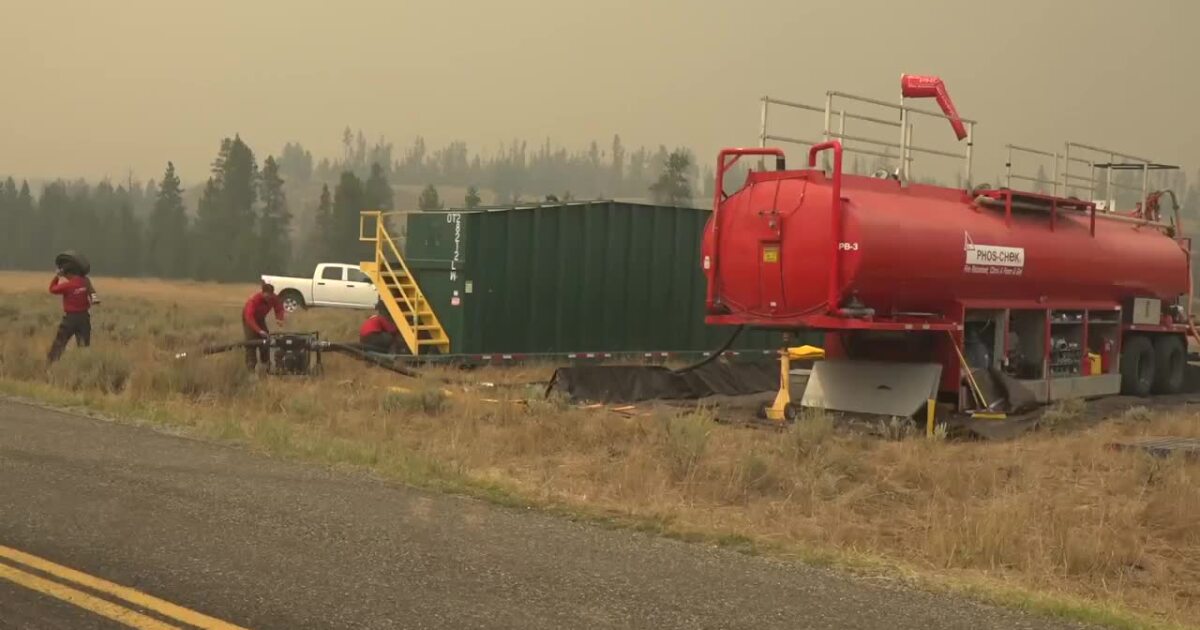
(381, 260)
(384, 269)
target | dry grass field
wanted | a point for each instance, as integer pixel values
(1053, 520)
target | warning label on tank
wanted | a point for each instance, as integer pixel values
(993, 260)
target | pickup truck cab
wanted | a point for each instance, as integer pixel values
(332, 284)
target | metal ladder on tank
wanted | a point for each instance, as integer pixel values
(398, 289)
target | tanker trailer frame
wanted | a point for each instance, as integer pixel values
(998, 322)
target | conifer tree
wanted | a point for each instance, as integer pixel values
(167, 243)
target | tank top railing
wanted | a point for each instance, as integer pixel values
(835, 128)
(1010, 200)
(1088, 171)
(1036, 179)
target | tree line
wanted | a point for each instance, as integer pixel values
(98, 220)
(242, 225)
(513, 173)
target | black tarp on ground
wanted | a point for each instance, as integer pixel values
(635, 383)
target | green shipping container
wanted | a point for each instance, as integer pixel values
(571, 277)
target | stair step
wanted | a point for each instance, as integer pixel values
(416, 317)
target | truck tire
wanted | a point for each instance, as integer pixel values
(1137, 366)
(1170, 362)
(292, 300)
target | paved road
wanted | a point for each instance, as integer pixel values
(24, 609)
(269, 544)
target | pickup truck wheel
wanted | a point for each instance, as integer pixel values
(292, 301)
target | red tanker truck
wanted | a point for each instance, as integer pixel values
(964, 295)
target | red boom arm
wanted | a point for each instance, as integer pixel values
(918, 86)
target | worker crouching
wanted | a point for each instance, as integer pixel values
(254, 322)
(76, 292)
(379, 333)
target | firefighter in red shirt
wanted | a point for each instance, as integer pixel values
(379, 333)
(254, 321)
(76, 322)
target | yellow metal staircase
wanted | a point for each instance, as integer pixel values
(412, 312)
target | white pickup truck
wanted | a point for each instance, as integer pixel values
(332, 284)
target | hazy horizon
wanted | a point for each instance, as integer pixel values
(100, 90)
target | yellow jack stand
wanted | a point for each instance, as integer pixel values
(782, 409)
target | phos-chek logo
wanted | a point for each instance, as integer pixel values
(997, 256)
(994, 260)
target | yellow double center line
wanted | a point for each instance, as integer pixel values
(99, 605)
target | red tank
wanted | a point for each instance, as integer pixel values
(909, 249)
(924, 290)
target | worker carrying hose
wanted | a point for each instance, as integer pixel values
(254, 322)
(379, 333)
(76, 292)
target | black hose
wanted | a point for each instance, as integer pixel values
(1174, 199)
(363, 355)
(355, 352)
(714, 356)
(1174, 211)
(226, 347)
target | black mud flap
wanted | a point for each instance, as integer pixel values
(635, 383)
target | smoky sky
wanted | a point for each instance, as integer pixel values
(95, 89)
